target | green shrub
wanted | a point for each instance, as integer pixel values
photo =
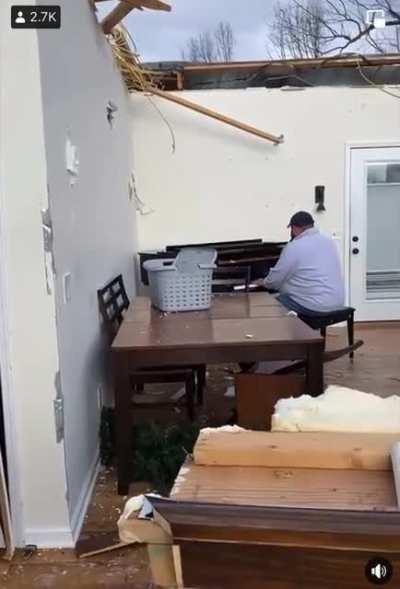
(158, 451)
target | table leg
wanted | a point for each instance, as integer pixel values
(315, 369)
(123, 423)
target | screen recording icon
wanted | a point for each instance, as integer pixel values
(35, 17)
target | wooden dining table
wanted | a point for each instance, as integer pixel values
(245, 328)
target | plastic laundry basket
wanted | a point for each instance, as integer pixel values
(183, 283)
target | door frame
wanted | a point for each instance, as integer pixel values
(349, 146)
(8, 394)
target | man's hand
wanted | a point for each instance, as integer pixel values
(258, 282)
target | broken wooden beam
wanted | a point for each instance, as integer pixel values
(124, 8)
(115, 16)
(217, 116)
(155, 5)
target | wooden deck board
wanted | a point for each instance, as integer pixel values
(287, 487)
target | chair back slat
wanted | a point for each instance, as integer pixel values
(113, 302)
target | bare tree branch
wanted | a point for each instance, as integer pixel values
(311, 28)
(225, 41)
(209, 46)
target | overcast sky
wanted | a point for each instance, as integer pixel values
(160, 36)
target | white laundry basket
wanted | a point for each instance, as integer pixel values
(183, 283)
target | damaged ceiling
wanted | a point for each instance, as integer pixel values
(338, 71)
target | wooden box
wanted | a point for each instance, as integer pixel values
(285, 511)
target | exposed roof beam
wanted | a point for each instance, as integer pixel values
(155, 5)
(125, 6)
(326, 62)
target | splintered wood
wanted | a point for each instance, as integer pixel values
(295, 450)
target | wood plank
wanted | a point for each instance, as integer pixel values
(287, 487)
(340, 61)
(5, 515)
(210, 565)
(98, 544)
(250, 523)
(297, 450)
(116, 15)
(377, 543)
(395, 456)
(155, 5)
(216, 115)
(125, 6)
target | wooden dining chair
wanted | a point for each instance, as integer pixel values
(113, 302)
(225, 278)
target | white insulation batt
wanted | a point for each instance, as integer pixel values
(339, 409)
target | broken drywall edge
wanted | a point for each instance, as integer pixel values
(71, 161)
(141, 206)
(47, 228)
(111, 109)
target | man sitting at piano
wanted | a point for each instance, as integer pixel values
(308, 274)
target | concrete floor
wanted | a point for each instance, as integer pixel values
(375, 369)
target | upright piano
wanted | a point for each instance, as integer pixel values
(259, 255)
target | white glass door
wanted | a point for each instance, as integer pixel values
(375, 233)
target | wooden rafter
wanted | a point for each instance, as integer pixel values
(124, 7)
(218, 116)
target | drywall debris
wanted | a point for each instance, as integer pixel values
(141, 206)
(47, 228)
(71, 160)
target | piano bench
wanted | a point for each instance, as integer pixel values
(324, 320)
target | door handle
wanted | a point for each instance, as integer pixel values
(355, 250)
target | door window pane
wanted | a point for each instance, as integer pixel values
(383, 231)
(383, 173)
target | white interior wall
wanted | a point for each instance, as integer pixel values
(93, 221)
(223, 184)
(29, 359)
